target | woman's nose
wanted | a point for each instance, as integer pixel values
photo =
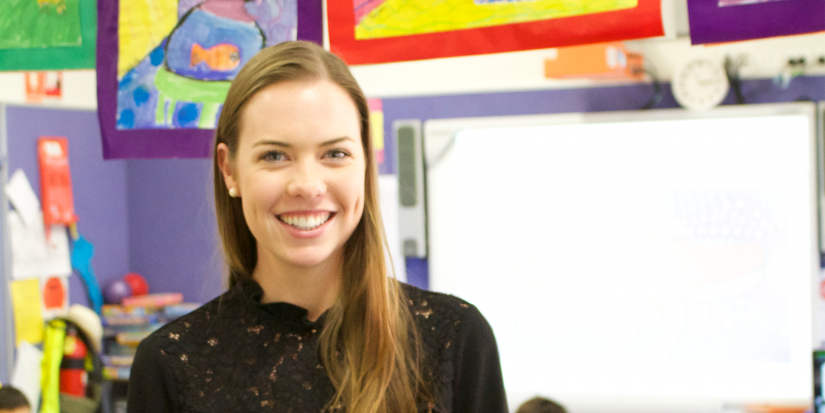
(307, 182)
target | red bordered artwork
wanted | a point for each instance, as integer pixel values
(643, 20)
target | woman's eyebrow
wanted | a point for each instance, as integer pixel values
(336, 140)
(275, 143)
(286, 145)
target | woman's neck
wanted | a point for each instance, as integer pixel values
(313, 288)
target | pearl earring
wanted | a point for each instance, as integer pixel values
(233, 192)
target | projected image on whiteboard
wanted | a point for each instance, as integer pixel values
(669, 258)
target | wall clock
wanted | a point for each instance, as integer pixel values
(700, 84)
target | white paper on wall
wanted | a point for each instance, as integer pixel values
(32, 254)
(22, 197)
(26, 376)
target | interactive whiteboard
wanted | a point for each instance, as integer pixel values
(641, 261)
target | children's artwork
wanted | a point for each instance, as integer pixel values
(28, 320)
(718, 21)
(175, 70)
(166, 66)
(723, 3)
(47, 34)
(55, 294)
(377, 128)
(379, 31)
(403, 17)
(39, 23)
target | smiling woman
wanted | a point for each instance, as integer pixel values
(311, 321)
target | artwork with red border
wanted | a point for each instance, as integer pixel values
(642, 21)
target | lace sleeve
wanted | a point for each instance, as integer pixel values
(478, 386)
(152, 386)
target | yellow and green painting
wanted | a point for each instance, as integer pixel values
(177, 58)
(39, 23)
(391, 18)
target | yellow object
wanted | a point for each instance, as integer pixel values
(142, 26)
(70, 345)
(28, 321)
(407, 17)
(377, 126)
(55, 337)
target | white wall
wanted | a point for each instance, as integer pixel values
(79, 89)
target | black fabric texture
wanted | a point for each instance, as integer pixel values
(235, 354)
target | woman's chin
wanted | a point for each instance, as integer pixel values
(309, 259)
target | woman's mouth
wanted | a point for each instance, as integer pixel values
(304, 221)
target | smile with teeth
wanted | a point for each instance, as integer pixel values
(305, 222)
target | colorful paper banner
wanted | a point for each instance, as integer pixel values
(160, 91)
(52, 49)
(381, 31)
(718, 21)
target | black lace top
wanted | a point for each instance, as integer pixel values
(235, 354)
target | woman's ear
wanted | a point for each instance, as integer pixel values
(225, 165)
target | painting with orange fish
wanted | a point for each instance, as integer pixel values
(221, 57)
(176, 58)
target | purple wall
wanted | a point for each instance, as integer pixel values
(99, 187)
(172, 231)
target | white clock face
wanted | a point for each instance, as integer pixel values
(700, 84)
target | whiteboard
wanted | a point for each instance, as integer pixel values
(637, 261)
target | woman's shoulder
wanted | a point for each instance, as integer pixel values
(421, 299)
(440, 317)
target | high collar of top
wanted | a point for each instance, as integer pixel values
(283, 311)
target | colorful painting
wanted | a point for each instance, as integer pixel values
(177, 58)
(39, 23)
(716, 21)
(382, 31)
(390, 18)
(723, 3)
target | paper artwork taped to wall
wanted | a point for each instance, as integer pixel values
(176, 58)
(383, 31)
(39, 23)
(389, 18)
(721, 21)
(723, 3)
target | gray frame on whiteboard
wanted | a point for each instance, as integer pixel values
(820, 162)
(7, 342)
(439, 135)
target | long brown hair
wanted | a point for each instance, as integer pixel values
(368, 344)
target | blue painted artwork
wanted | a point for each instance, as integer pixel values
(183, 82)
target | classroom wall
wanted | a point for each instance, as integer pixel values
(100, 187)
(155, 216)
(173, 237)
(172, 234)
(516, 71)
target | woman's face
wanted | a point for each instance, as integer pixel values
(299, 170)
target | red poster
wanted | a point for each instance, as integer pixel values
(55, 181)
(381, 31)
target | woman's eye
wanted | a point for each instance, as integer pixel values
(337, 153)
(273, 156)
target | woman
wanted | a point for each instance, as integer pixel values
(311, 322)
